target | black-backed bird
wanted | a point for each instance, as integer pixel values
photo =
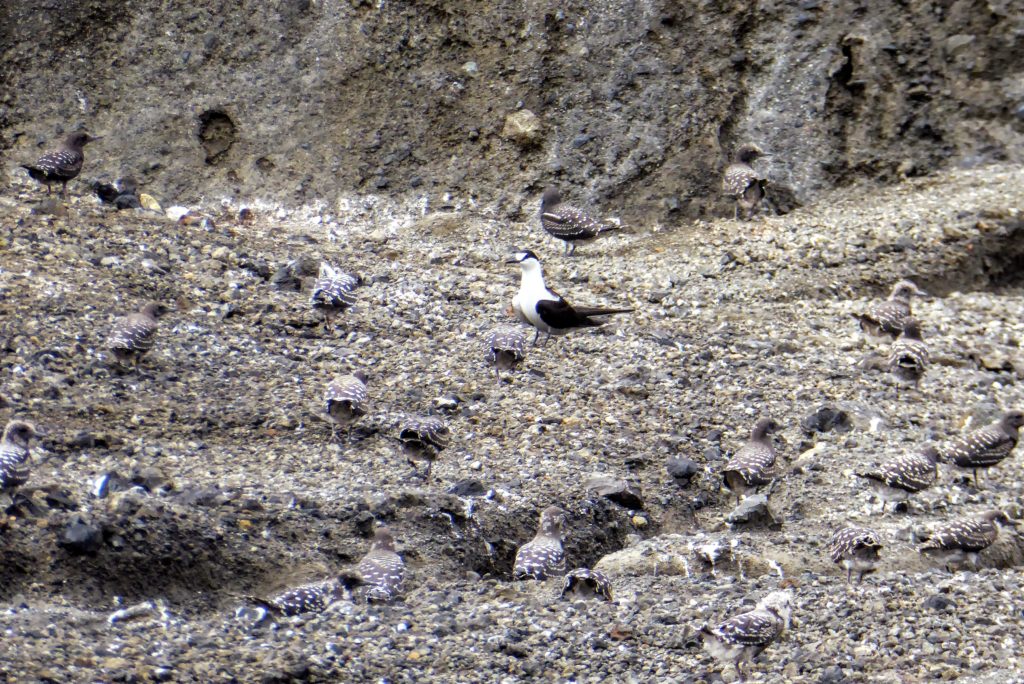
(985, 447)
(345, 400)
(856, 549)
(132, 336)
(506, 348)
(742, 182)
(62, 164)
(753, 465)
(381, 571)
(885, 319)
(423, 439)
(744, 636)
(542, 557)
(962, 540)
(333, 292)
(14, 454)
(546, 310)
(897, 479)
(567, 223)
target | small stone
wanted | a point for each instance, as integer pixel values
(639, 521)
(682, 469)
(617, 491)
(938, 602)
(522, 127)
(80, 537)
(752, 510)
(470, 487)
(827, 419)
(832, 675)
(149, 202)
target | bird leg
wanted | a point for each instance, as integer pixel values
(849, 572)
(976, 485)
(536, 335)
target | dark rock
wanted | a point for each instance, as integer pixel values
(617, 491)
(682, 469)
(832, 675)
(827, 419)
(753, 510)
(470, 487)
(80, 537)
(149, 478)
(939, 602)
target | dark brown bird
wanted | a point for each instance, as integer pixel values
(543, 556)
(345, 400)
(985, 447)
(567, 223)
(61, 165)
(856, 548)
(896, 480)
(382, 571)
(908, 358)
(333, 292)
(506, 348)
(886, 319)
(423, 439)
(744, 636)
(962, 540)
(308, 598)
(14, 454)
(752, 466)
(133, 335)
(742, 182)
(587, 583)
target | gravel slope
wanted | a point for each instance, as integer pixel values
(243, 492)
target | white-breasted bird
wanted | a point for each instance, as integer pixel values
(546, 310)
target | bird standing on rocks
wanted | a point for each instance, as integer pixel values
(908, 359)
(61, 165)
(423, 439)
(752, 466)
(333, 292)
(567, 223)
(543, 556)
(856, 548)
(381, 570)
(545, 309)
(506, 348)
(985, 447)
(886, 319)
(742, 182)
(14, 454)
(133, 335)
(345, 400)
(895, 480)
(744, 636)
(961, 540)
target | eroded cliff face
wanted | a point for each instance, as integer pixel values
(637, 103)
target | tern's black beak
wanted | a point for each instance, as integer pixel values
(512, 261)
